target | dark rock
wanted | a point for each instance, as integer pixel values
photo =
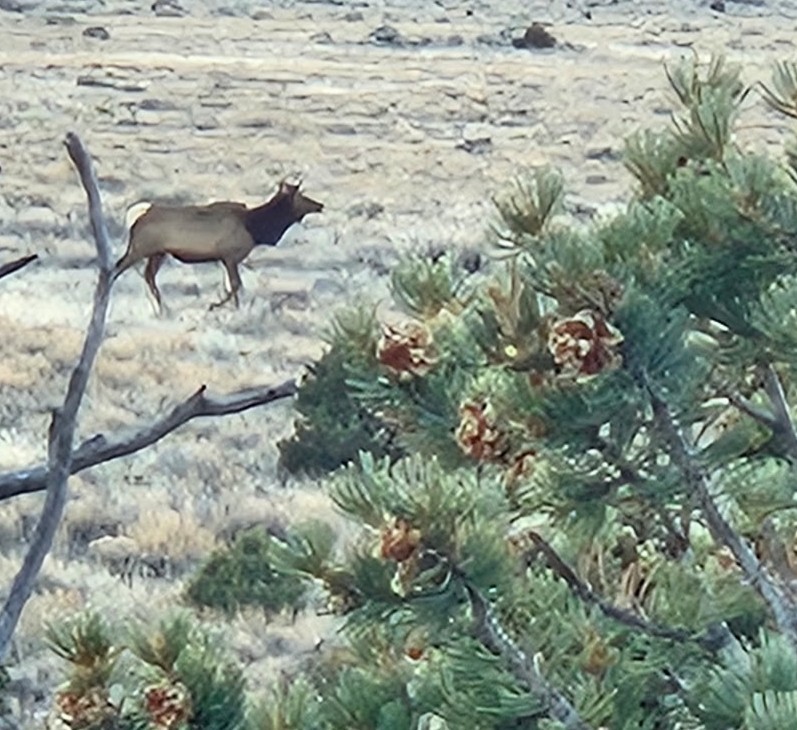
(322, 37)
(535, 37)
(354, 16)
(453, 40)
(479, 146)
(603, 153)
(60, 20)
(157, 105)
(98, 32)
(471, 261)
(109, 83)
(167, 8)
(386, 35)
(595, 179)
(718, 5)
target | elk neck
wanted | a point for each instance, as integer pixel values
(268, 222)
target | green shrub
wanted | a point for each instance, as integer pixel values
(242, 576)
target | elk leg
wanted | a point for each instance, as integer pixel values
(150, 272)
(235, 284)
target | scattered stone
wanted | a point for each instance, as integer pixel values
(322, 37)
(167, 8)
(354, 16)
(603, 154)
(718, 5)
(471, 261)
(98, 32)
(261, 15)
(453, 41)
(110, 83)
(536, 36)
(341, 128)
(157, 105)
(475, 140)
(476, 146)
(60, 20)
(386, 35)
(595, 179)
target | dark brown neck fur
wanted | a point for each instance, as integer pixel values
(268, 222)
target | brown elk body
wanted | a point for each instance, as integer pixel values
(224, 231)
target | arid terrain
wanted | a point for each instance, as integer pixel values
(404, 117)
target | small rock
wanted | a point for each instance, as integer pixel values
(476, 146)
(341, 128)
(98, 32)
(322, 37)
(535, 37)
(603, 153)
(262, 15)
(354, 16)
(157, 105)
(167, 8)
(471, 261)
(386, 35)
(109, 83)
(595, 179)
(718, 5)
(453, 41)
(60, 20)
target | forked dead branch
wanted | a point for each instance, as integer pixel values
(63, 460)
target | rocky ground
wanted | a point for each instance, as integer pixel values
(404, 117)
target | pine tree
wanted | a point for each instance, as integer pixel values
(575, 483)
(591, 522)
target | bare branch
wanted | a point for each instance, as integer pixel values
(783, 610)
(489, 632)
(99, 449)
(585, 593)
(16, 264)
(62, 430)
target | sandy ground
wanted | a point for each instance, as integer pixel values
(404, 134)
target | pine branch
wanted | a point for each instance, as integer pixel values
(783, 610)
(99, 449)
(489, 632)
(62, 428)
(708, 641)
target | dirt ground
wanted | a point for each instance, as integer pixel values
(403, 117)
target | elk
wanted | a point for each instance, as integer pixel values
(221, 231)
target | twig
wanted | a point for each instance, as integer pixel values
(62, 429)
(783, 424)
(99, 449)
(757, 413)
(783, 610)
(489, 632)
(16, 265)
(586, 594)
